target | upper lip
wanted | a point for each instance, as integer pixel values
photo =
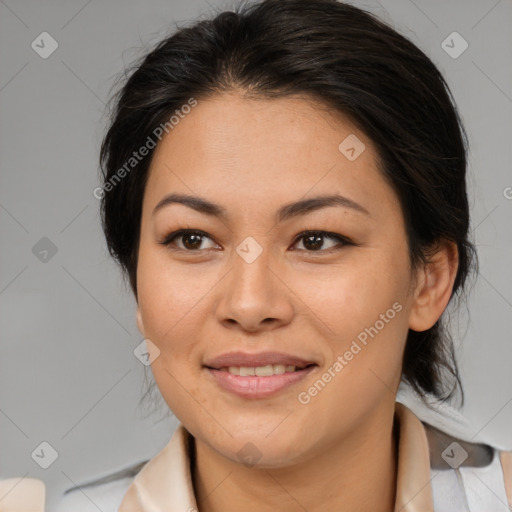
(254, 360)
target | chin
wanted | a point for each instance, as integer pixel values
(263, 454)
(261, 447)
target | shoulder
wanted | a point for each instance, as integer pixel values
(105, 493)
(108, 492)
(468, 471)
(476, 476)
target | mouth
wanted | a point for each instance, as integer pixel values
(261, 371)
(258, 375)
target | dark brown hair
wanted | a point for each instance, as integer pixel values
(350, 61)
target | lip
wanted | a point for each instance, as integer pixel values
(254, 386)
(258, 387)
(254, 360)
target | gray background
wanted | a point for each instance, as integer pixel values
(68, 375)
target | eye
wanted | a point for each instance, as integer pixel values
(191, 240)
(314, 240)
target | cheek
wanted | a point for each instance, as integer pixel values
(169, 294)
(351, 296)
(362, 307)
(173, 300)
(170, 304)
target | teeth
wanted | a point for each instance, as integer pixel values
(246, 372)
(264, 371)
(260, 371)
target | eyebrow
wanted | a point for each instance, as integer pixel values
(284, 213)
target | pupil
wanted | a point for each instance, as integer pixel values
(192, 245)
(316, 242)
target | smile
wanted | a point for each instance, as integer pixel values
(260, 371)
(260, 381)
(258, 375)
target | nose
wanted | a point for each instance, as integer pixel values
(254, 296)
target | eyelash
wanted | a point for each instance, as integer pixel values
(343, 241)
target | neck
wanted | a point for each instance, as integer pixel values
(357, 473)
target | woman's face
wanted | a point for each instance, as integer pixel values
(253, 290)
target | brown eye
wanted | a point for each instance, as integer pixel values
(314, 240)
(190, 240)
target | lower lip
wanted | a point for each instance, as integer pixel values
(258, 387)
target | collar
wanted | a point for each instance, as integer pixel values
(165, 482)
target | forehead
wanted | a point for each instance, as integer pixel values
(236, 149)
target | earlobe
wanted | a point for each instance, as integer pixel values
(434, 288)
(140, 324)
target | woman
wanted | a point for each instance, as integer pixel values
(284, 187)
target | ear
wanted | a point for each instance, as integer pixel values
(434, 286)
(140, 323)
